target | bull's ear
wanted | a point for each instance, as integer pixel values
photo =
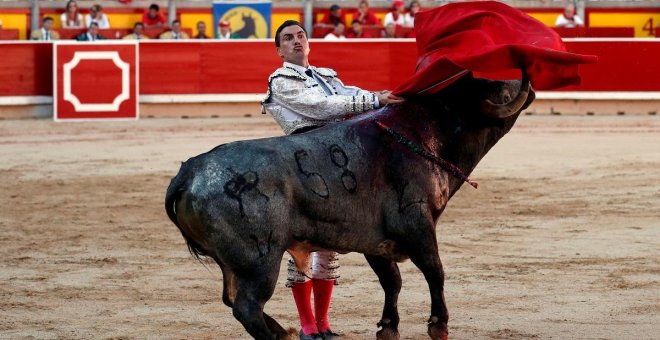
(506, 98)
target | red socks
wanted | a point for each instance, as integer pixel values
(302, 293)
(322, 297)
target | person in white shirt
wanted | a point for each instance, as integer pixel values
(337, 33)
(569, 19)
(71, 18)
(302, 97)
(96, 15)
(413, 9)
(396, 15)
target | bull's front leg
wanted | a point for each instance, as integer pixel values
(390, 279)
(424, 254)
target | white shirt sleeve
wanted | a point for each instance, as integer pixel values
(310, 103)
(389, 19)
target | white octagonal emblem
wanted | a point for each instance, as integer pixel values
(108, 55)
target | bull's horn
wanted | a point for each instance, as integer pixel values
(493, 110)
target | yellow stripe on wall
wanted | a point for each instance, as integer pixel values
(636, 20)
(276, 19)
(124, 20)
(16, 21)
(548, 19)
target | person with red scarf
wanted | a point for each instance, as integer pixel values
(364, 16)
(395, 16)
(334, 16)
(153, 18)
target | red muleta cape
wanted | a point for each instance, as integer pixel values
(487, 36)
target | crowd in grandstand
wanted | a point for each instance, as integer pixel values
(334, 24)
(96, 19)
(366, 24)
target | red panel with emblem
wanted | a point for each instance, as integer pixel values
(95, 81)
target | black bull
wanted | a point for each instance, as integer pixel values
(348, 187)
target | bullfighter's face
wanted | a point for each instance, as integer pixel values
(294, 47)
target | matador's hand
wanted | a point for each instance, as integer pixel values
(386, 97)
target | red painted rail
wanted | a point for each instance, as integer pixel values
(216, 67)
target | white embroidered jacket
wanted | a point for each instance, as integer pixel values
(297, 100)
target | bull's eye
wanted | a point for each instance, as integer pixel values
(506, 97)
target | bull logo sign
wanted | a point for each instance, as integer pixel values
(95, 81)
(248, 19)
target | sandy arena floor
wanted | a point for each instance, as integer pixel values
(561, 241)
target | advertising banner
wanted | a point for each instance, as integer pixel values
(247, 19)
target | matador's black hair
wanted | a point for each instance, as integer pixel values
(283, 26)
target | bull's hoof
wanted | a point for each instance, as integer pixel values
(292, 334)
(387, 332)
(437, 329)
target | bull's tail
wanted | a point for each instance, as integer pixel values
(179, 184)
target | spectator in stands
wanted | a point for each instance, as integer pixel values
(357, 31)
(176, 32)
(71, 18)
(201, 31)
(137, 34)
(334, 17)
(224, 31)
(364, 16)
(153, 18)
(46, 32)
(92, 34)
(337, 33)
(96, 15)
(569, 18)
(396, 15)
(409, 18)
(389, 31)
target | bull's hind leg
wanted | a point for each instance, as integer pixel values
(390, 279)
(228, 285)
(253, 291)
(425, 256)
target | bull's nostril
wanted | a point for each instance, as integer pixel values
(507, 98)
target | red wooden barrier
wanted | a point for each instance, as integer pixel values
(244, 66)
(8, 34)
(596, 32)
(210, 67)
(26, 69)
(622, 65)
